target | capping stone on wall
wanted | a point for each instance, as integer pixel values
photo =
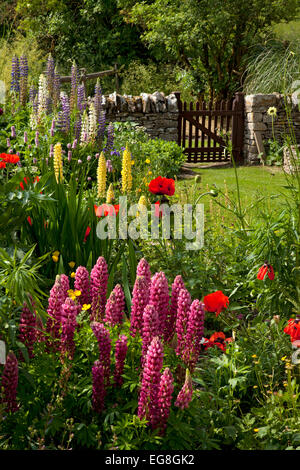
(156, 112)
(257, 119)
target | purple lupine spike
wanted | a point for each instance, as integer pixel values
(115, 306)
(150, 329)
(66, 113)
(69, 155)
(82, 283)
(99, 390)
(194, 335)
(36, 139)
(32, 93)
(186, 393)
(101, 125)
(110, 137)
(27, 331)
(99, 278)
(81, 99)
(69, 312)
(104, 343)
(8, 144)
(143, 269)
(184, 303)
(15, 75)
(65, 284)
(98, 99)
(49, 107)
(74, 145)
(77, 129)
(165, 392)
(57, 297)
(25, 137)
(23, 79)
(140, 298)
(177, 285)
(56, 89)
(109, 166)
(9, 382)
(120, 355)
(50, 71)
(51, 150)
(148, 397)
(159, 298)
(13, 132)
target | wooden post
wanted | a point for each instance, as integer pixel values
(117, 77)
(238, 127)
(83, 76)
(179, 104)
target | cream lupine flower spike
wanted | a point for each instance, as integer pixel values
(142, 202)
(57, 162)
(126, 171)
(110, 196)
(101, 176)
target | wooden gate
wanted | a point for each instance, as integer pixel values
(205, 129)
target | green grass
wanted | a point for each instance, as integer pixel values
(254, 183)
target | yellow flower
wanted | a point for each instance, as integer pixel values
(101, 176)
(147, 161)
(86, 306)
(77, 293)
(254, 355)
(142, 202)
(285, 384)
(272, 111)
(72, 274)
(72, 264)
(255, 429)
(254, 386)
(57, 162)
(132, 162)
(110, 196)
(126, 171)
(149, 172)
(56, 253)
(55, 258)
(283, 358)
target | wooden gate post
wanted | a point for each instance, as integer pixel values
(179, 104)
(238, 127)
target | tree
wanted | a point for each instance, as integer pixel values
(211, 39)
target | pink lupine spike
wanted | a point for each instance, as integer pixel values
(184, 303)
(195, 330)
(165, 392)
(82, 283)
(69, 312)
(9, 382)
(150, 329)
(104, 343)
(186, 393)
(148, 397)
(99, 278)
(27, 328)
(177, 285)
(58, 295)
(99, 390)
(140, 298)
(115, 306)
(120, 354)
(159, 298)
(143, 269)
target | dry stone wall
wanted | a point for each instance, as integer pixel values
(258, 121)
(156, 112)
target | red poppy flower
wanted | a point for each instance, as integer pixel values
(106, 209)
(217, 339)
(27, 181)
(9, 158)
(158, 212)
(293, 329)
(29, 220)
(216, 302)
(87, 232)
(2, 165)
(265, 269)
(162, 185)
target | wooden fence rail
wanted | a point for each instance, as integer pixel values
(88, 76)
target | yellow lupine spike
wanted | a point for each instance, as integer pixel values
(110, 195)
(101, 176)
(57, 162)
(142, 201)
(126, 171)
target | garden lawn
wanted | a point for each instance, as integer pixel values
(254, 182)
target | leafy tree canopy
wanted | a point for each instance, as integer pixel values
(211, 39)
